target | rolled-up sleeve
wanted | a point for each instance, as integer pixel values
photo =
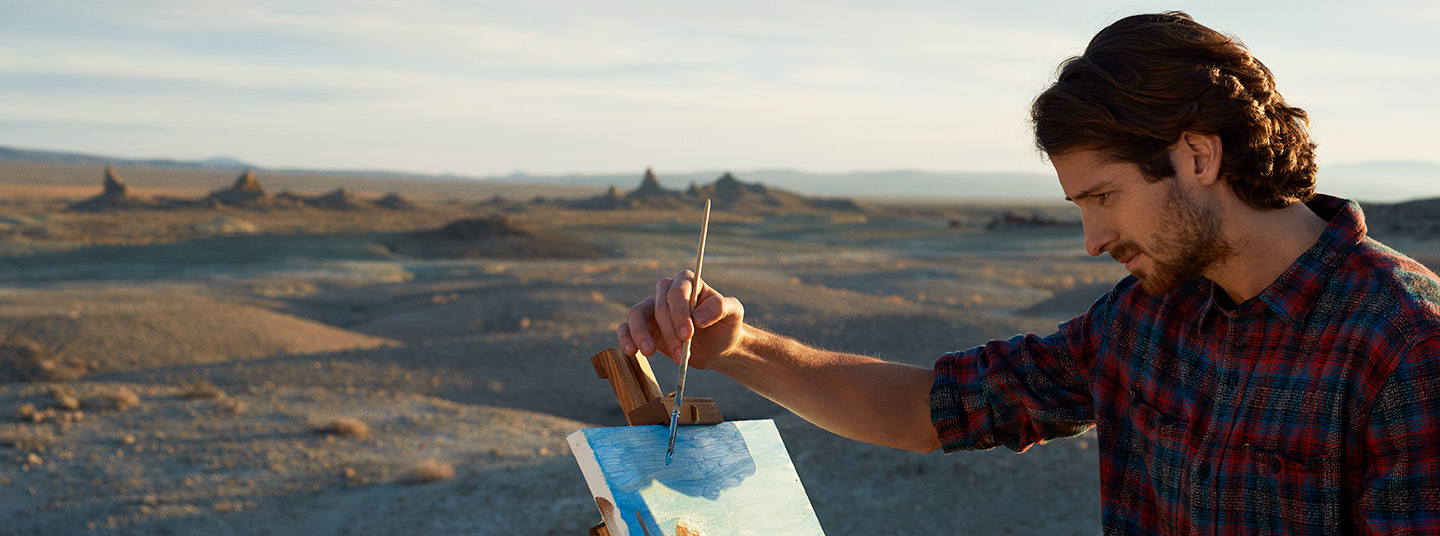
(1020, 391)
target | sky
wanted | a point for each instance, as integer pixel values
(478, 88)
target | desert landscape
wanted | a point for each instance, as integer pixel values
(213, 351)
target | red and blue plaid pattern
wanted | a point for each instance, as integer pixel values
(1313, 408)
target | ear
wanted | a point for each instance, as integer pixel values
(1198, 155)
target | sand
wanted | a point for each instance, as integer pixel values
(299, 375)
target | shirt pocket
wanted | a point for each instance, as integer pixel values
(1157, 448)
(1293, 494)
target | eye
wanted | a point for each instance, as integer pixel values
(1102, 198)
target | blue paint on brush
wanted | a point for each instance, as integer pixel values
(674, 430)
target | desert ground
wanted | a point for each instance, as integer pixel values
(294, 369)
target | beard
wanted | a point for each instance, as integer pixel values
(1188, 243)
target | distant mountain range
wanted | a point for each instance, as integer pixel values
(218, 162)
(1373, 181)
(1382, 181)
(896, 183)
(57, 157)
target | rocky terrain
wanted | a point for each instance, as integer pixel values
(293, 366)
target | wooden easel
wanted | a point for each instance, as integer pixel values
(641, 401)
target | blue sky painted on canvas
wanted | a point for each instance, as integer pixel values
(481, 87)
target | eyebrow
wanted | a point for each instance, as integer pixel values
(1088, 192)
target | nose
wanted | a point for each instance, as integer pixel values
(1099, 236)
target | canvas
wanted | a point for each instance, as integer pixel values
(732, 478)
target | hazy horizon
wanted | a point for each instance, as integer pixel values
(1371, 182)
(235, 161)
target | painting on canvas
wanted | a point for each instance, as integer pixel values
(728, 478)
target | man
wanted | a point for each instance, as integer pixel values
(1266, 368)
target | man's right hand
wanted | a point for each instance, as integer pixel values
(856, 396)
(663, 323)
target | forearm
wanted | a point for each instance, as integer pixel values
(854, 396)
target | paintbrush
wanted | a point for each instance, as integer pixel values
(685, 347)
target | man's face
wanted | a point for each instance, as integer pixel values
(1164, 235)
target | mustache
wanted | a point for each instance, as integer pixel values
(1124, 250)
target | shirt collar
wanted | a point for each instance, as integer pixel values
(1292, 295)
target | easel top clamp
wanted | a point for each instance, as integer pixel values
(641, 401)
(639, 393)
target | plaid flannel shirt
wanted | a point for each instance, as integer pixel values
(1312, 408)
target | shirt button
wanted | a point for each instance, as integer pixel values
(1150, 421)
(1203, 472)
(1274, 462)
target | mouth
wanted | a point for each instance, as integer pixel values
(1131, 262)
(1127, 253)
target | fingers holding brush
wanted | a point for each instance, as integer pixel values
(679, 299)
(651, 325)
(714, 323)
(669, 316)
(635, 333)
(715, 309)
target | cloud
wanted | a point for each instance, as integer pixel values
(489, 86)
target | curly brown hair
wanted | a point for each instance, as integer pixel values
(1146, 79)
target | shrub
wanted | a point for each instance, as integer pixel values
(346, 426)
(431, 470)
(202, 390)
(116, 399)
